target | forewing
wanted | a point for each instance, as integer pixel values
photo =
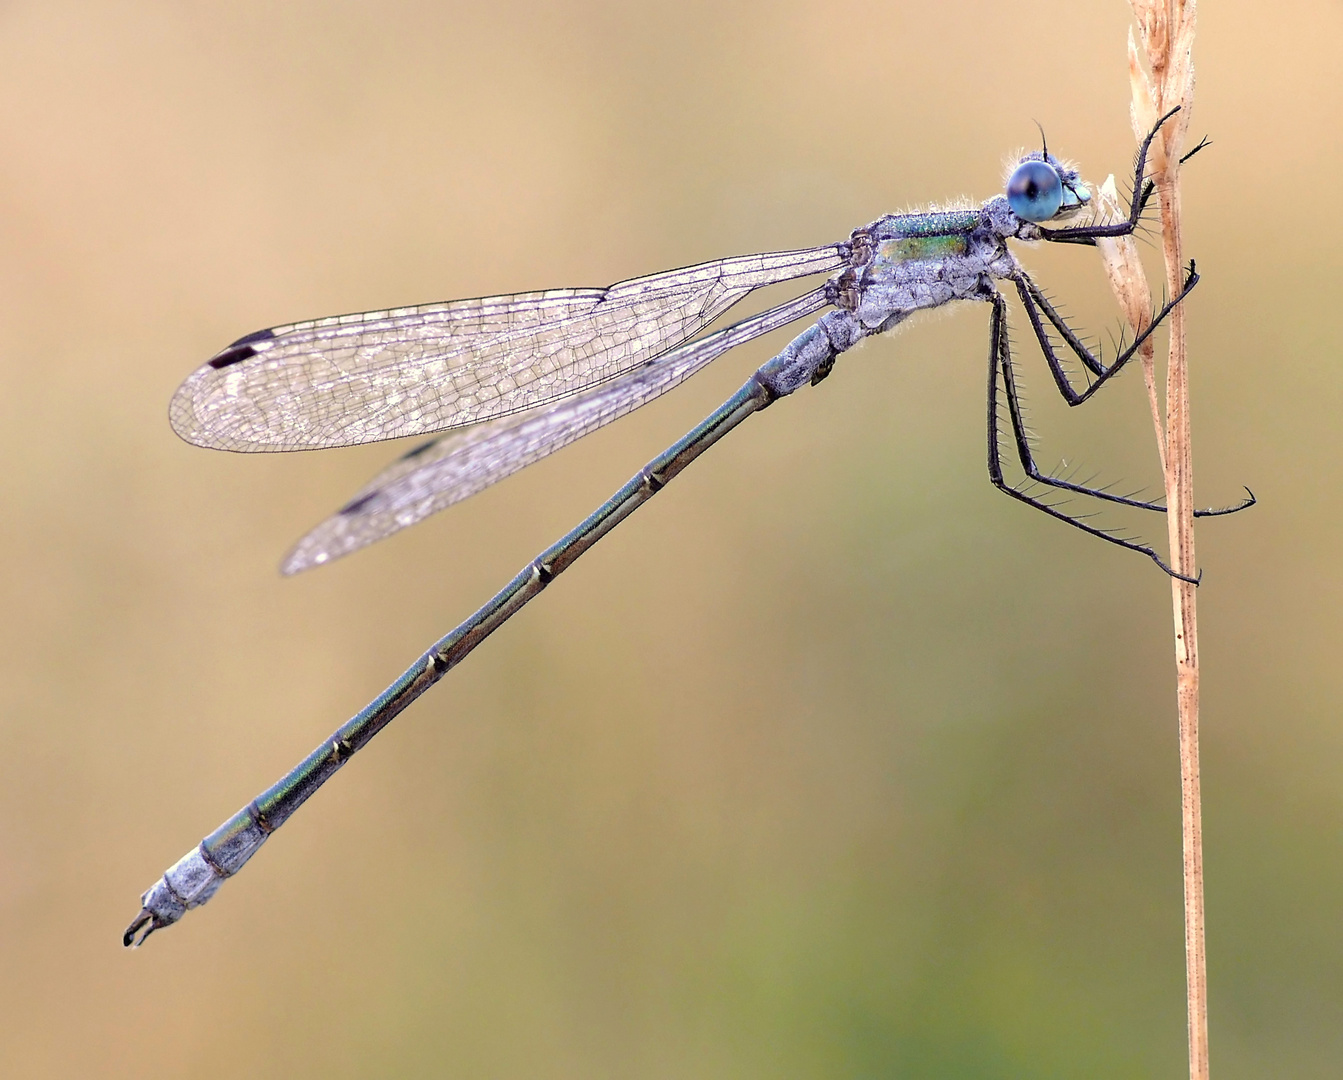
(445, 471)
(408, 371)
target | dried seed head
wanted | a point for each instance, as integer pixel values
(1123, 267)
(1167, 36)
(1151, 16)
(1143, 112)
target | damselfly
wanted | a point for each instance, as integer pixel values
(529, 373)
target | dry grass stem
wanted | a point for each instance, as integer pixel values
(1166, 30)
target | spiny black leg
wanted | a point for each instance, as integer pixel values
(997, 327)
(1024, 454)
(1150, 186)
(1023, 445)
(1003, 362)
(1085, 233)
(1035, 301)
(1234, 508)
(1092, 362)
(1000, 359)
(1025, 286)
(1031, 296)
(1191, 279)
(1027, 458)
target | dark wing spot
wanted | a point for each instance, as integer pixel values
(359, 505)
(240, 350)
(416, 451)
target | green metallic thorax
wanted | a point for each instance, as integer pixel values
(933, 235)
(910, 248)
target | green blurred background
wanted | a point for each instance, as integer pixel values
(831, 761)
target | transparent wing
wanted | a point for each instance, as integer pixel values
(447, 470)
(411, 371)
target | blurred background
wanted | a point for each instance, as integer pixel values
(831, 761)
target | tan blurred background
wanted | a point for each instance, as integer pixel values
(831, 761)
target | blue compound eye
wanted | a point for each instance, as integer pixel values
(1035, 191)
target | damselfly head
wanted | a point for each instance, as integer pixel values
(1042, 188)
